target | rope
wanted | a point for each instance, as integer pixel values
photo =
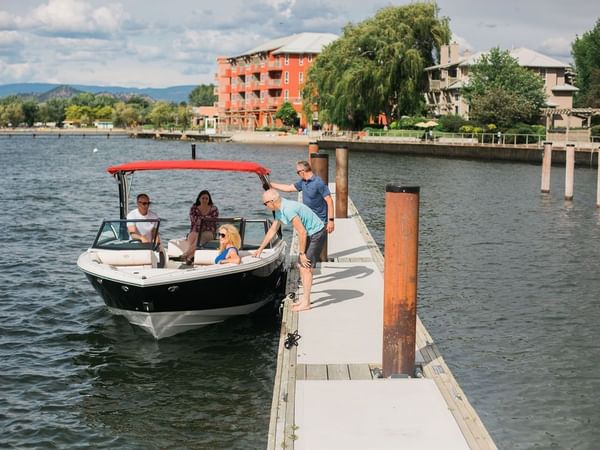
(291, 340)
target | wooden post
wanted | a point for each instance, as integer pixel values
(341, 182)
(313, 148)
(400, 279)
(320, 166)
(193, 151)
(546, 165)
(569, 171)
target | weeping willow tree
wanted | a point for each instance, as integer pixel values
(377, 66)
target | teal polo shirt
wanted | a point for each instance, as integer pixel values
(290, 209)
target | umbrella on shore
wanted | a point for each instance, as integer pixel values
(428, 124)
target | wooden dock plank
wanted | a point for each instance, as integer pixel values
(338, 372)
(360, 372)
(301, 372)
(316, 371)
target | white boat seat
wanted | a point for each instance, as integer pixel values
(176, 247)
(127, 257)
(205, 257)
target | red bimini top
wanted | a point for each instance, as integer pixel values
(193, 164)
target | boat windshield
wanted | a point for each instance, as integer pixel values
(113, 235)
(252, 232)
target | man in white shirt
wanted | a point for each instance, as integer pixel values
(144, 231)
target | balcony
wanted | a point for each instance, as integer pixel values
(274, 82)
(434, 85)
(274, 102)
(274, 65)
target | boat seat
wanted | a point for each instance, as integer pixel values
(176, 247)
(127, 257)
(205, 257)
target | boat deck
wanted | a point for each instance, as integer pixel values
(328, 392)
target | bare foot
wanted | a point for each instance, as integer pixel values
(301, 307)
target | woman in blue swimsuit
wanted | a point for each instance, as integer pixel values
(230, 242)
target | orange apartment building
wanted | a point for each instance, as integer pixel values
(251, 87)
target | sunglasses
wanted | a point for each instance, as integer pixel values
(299, 171)
(221, 235)
(267, 202)
(144, 203)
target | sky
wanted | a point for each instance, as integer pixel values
(150, 43)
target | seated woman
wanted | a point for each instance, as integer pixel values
(230, 242)
(204, 208)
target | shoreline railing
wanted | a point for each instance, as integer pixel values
(436, 137)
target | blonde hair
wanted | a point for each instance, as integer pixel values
(233, 235)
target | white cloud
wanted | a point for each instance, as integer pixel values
(557, 46)
(147, 43)
(11, 38)
(7, 21)
(15, 73)
(72, 17)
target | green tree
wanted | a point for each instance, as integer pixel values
(83, 99)
(203, 95)
(377, 66)
(592, 99)
(126, 115)
(30, 112)
(56, 110)
(162, 113)
(586, 55)
(183, 115)
(287, 114)
(103, 112)
(502, 92)
(11, 114)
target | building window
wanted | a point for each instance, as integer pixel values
(287, 59)
(301, 60)
(286, 95)
(286, 78)
(301, 77)
(310, 57)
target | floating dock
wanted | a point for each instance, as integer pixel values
(328, 390)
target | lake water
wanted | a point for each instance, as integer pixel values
(508, 288)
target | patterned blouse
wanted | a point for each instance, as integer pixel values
(196, 219)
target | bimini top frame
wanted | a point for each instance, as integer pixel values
(122, 171)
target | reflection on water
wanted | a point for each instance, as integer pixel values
(507, 287)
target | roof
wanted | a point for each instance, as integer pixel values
(565, 88)
(183, 164)
(525, 57)
(296, 43)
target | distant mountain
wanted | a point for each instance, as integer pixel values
(171, 94)
(57, 92)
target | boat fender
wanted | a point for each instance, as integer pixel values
(291, 340)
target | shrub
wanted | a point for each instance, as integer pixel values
(408, 122)
(520, 129)
(451, 123)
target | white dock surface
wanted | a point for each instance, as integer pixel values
(327, 397)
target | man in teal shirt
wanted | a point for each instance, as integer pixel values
(311, 236)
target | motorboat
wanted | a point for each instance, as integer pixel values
(148, 284)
